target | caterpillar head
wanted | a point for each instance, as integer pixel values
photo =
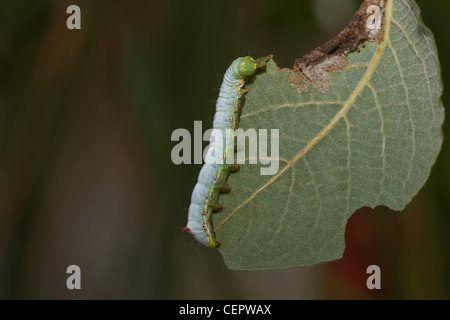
(246, 66)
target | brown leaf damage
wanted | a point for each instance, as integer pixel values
(348, 39)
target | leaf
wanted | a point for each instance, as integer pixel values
(363, 132)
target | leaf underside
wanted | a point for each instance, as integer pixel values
(366, 135)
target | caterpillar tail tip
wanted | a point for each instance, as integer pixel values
(213, 243)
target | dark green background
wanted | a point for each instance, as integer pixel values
(86, 176)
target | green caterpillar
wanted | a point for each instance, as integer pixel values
(213, 176)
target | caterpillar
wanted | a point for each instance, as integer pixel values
(212, 179)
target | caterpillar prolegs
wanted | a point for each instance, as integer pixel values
(212, 179)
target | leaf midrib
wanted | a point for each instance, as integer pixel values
(341, 114)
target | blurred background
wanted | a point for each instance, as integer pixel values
(86, 178)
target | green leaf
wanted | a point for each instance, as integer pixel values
(363, 132)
